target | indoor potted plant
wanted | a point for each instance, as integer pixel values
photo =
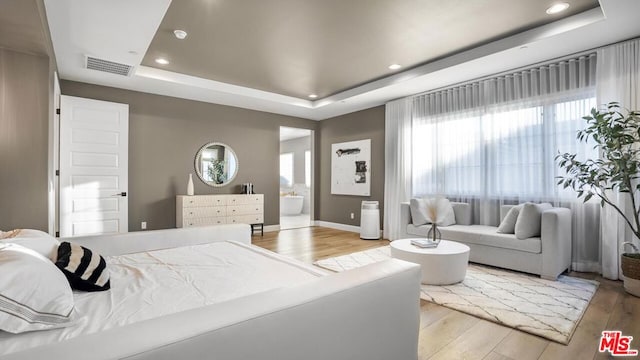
(617, 138)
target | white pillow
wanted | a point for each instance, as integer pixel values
(39, 241)
(508, 224)
(418, 211)
(529, 220)
(34, 294)
(444, 210)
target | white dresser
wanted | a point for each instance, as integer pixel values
(198, 210)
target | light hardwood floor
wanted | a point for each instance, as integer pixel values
(449, 334)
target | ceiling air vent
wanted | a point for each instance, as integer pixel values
(108, 66)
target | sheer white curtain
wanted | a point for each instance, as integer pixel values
(397, 172)
(618, 79)
(494, 142)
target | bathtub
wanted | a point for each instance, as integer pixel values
(291, 204)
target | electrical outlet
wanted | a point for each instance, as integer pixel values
(143, 225)
(353, 216)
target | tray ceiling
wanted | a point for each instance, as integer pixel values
(302, 47)
(269, 55)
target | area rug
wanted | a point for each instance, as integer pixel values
(550, 309)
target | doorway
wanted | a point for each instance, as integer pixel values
(296, 178)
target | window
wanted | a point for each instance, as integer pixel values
(499, 152)
(286, 169)
(307, 168)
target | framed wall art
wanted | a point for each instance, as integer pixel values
(351, 168)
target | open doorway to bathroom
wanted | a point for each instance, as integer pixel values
(296, 178)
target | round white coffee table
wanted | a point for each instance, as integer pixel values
(446, 264)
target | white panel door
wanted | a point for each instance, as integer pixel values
(94, 153)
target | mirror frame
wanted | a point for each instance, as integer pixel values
(199, 155)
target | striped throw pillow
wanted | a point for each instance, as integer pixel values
(85, 269)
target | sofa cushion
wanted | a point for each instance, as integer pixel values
(462, 213)
(444, 211)
(418, 211)
(481, 235)
(529, 220)
(508, 224)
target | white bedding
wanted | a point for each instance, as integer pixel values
(152, 284)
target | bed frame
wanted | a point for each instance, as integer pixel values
(367, 313)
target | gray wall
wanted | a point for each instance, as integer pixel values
(297, 147)
(164, 135)
(365, 124)
(24, 132)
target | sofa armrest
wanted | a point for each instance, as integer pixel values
(556, 242)
(405, 219)
(462, 212)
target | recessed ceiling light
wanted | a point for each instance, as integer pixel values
(395, 66)
(557, 7)
(180, 34)
(313, 96)
(162, 61)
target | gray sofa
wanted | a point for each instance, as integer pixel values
(548, 255)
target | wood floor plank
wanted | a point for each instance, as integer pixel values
(513, 344)
(610, 309)
(442, 332)
(495, 356)
(475, 343)
(430, 313)
(625, 317)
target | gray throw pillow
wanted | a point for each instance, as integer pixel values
(418, 211)
(529, 220)
(444, 210)
(508, 224)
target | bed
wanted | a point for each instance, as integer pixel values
(229, 300)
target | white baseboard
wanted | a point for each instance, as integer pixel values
(271, 228)
(337, 226)
(327, 224)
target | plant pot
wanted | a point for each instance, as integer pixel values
(631, 273)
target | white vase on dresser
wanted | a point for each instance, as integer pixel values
(190, 185)
(198, 210)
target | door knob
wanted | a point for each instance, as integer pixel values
(124, 193)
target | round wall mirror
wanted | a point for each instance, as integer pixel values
(216, 164)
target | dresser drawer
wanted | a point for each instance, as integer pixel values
(237, 200)
(244, 210)
(204, 221)
(255, 199)
(200, 212)
(202, 201)
(245, 219)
